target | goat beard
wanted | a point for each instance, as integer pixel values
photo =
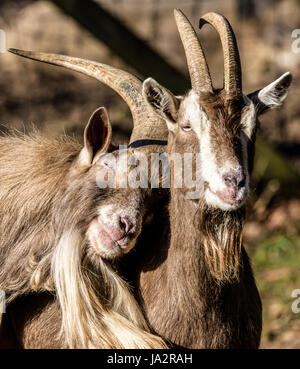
(97, 308)
(221, 239)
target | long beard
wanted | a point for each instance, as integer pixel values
(221, 240)
(98, 310)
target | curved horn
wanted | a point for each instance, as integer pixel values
(145, 123)
(232, 64)
(198, 69)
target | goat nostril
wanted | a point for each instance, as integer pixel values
(234, 180)
(230, 179)
(125, 224)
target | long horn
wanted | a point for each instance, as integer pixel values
(232, 64)
(198, 69)
(146, 124)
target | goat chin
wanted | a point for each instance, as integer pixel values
(98, 310)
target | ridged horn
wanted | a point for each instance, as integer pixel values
(146, 124)
(232, 64)
(198, 69)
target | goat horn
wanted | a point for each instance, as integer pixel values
(232, 64)
(146, 124)
(198, 69)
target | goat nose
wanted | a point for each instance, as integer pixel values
(125, 224)
(232, 179)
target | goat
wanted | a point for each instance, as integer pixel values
(207, 275)
(193, 278)
(61, 232)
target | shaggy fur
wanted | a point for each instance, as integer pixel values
(34, 170)
(47, 202)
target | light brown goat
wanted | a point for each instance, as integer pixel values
(60, 231)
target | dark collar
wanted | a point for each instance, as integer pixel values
(139, 143)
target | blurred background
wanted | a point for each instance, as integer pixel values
(141, 37)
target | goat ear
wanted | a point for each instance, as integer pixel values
(162, 101)
(273, 95)
(97, 136)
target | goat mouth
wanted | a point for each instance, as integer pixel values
(120, 241)
(120, 244)
(228, 200)
(103, 242)
(222, 200)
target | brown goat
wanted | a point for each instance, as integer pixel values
(203, 294)
(60, 231)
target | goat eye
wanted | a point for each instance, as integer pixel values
(186, 128)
